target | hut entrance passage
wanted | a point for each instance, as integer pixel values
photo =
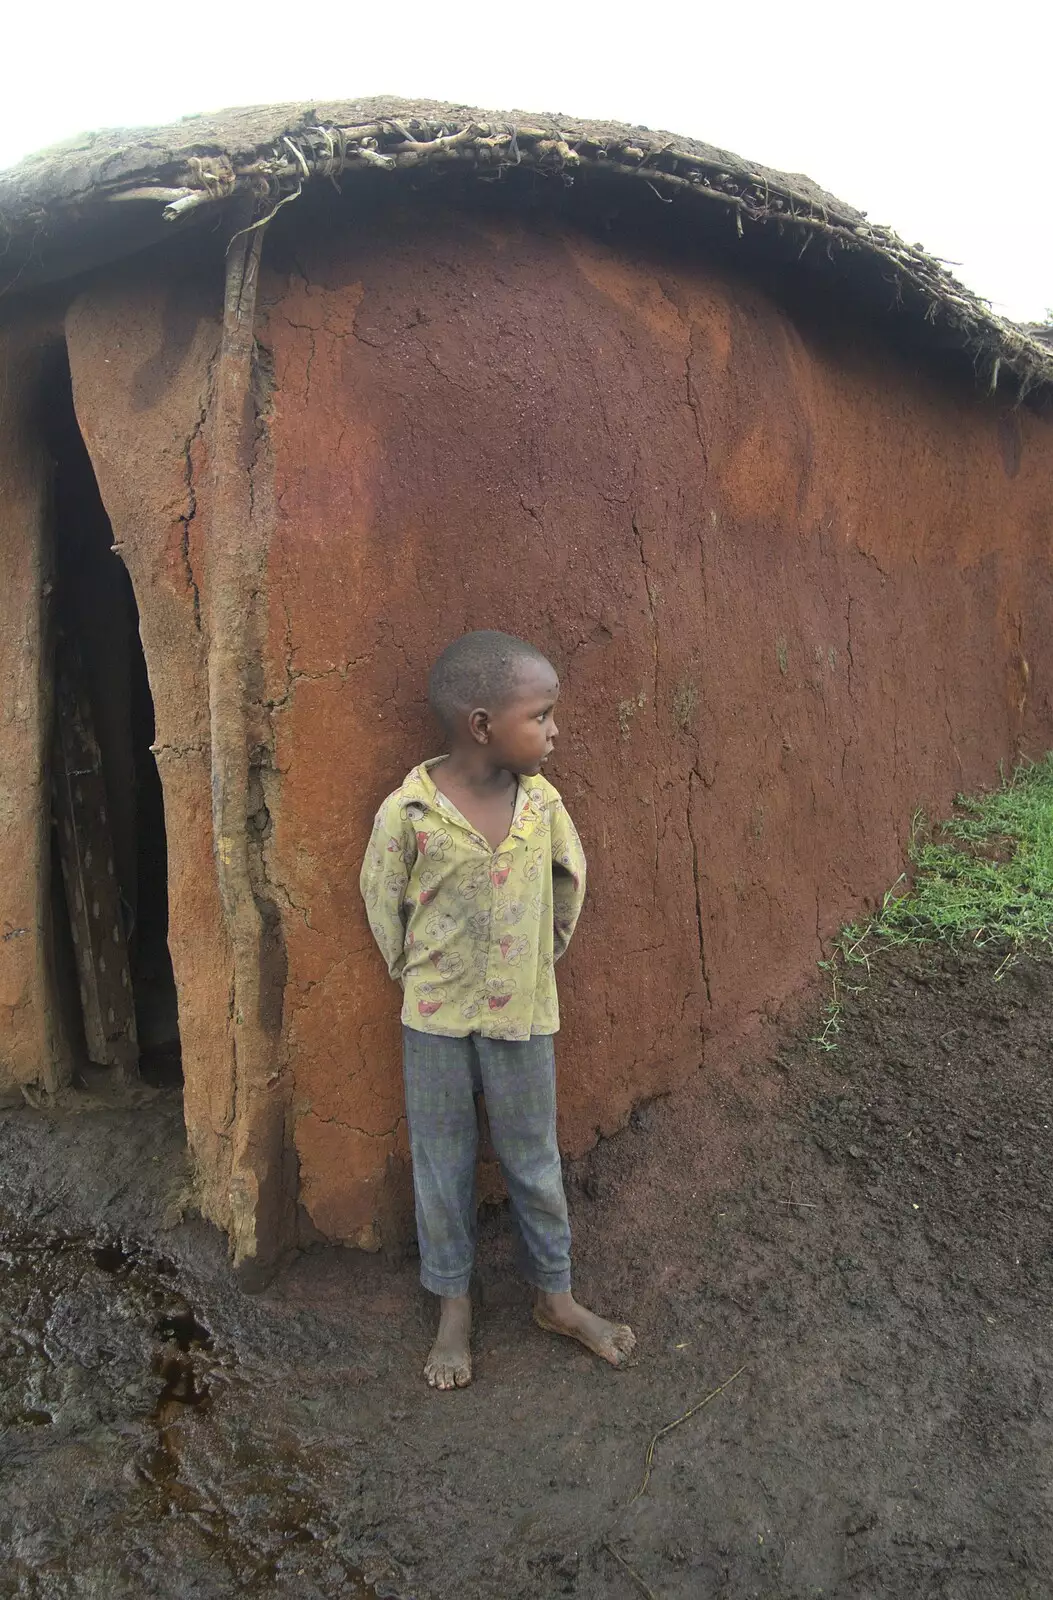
(94, 902)
(115, 988)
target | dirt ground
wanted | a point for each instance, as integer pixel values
(865, 1233)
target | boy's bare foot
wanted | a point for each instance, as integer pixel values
(449, 1363)
(561, 1313)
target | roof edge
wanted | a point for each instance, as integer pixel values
(268, 155)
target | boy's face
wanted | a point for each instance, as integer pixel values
(522, 731)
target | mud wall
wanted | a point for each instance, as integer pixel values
(794, 588)
(794, 591)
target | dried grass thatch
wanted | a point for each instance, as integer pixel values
(100, 196)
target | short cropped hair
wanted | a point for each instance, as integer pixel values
(478, 670)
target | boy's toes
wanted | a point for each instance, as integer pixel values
(444, 1372)
(620, 1344)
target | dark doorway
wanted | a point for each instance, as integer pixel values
(108, 835)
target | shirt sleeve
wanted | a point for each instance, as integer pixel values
(385, 873)
(568, 878)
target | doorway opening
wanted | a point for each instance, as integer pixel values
(116, 995)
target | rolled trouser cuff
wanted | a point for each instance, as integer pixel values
(547, 1282)
(449, 1288)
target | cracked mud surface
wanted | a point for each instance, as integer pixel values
(868, 1231)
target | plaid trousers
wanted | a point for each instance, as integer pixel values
(518, 1079)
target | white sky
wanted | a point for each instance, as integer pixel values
(932, 116)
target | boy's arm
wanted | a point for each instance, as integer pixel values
(385, 874)
(568, 878)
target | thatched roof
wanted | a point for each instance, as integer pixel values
(103, 195)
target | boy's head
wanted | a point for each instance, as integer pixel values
(492, 690)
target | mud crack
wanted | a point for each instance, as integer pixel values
(696, 777)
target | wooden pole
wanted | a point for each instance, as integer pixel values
(261, 1199)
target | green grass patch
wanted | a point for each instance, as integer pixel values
(983, 877)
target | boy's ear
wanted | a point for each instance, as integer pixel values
(479, 723)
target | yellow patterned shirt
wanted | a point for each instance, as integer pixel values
(470, 932)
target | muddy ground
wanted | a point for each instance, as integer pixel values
(865, 1233)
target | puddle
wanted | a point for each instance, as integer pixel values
(180, 1383)
(183, 1328)
(111, 1257)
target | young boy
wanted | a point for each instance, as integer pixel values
(473, 882)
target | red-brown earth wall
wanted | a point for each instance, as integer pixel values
(796, 587)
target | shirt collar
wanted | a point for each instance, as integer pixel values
(420, 785)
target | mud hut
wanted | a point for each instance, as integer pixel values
(290, 396)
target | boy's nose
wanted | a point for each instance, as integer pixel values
(553, 731)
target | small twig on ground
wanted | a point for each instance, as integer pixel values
(809, 1205)
(690, 1412)
(634, 1575)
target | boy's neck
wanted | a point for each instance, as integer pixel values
(470, 768)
